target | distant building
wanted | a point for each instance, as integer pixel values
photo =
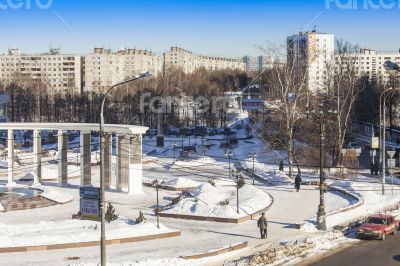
(256, 63)
(60, 72)
(4, 100)
(370, 63)
(187, 61)
(104, 68)
(312, 51)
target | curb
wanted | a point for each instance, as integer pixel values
(217, 252)
(89, 243)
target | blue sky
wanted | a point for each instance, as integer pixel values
(220, 27)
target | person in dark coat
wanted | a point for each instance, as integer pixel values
(297, 182)
(263, 225)
(372, 168)
(281, 166)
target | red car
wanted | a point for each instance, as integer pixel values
(378, 227)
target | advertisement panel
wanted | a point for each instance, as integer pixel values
(312, 48)
(90, 208)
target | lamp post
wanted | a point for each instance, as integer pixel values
(174, 147)
(237, 175)
(253, 156)
(157, 185)
(229, 155)
(102, 185)
(320, 114)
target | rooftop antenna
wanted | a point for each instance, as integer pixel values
(315, 28)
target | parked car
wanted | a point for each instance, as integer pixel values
(378, 227)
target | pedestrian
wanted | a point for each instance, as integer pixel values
(281, 166)
(263, 225)
(297, 182)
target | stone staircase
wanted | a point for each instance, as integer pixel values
(24, 203)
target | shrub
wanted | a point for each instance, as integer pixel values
(211, 182)
(224, 203)
(241, 182)
(111, 214)
(140, 218)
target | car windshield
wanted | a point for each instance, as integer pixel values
(376, 221)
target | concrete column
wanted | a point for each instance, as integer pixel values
(107, 149)
(37, 157)
(135, 165)
(62, 157)
(10, 158)
(85, 159)
(123, 162)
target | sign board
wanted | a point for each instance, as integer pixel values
(391, 163)
(90, 207)
(252, 104)
(375, 143)
(89, 192)
(391, 154)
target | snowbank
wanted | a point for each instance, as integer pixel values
(70, 231)
(275, 177)
(220, 201)
(176, 183)
(53, 194)
(197, 162)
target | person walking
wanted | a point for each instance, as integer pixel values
(281, 166)
(263, 225)
(297, 182)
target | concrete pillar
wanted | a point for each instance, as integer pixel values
(10, 158)
(37, 157)
(122, 162)
(62, 157)
(107, 149)
(86, 159)
(135, 165)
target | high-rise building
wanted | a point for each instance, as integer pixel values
(256, 63)
(312, 51)
(187, 61)
(60, 72)
(104, 68)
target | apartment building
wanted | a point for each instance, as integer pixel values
(104, 68)
(256, 63)
(60, 72)
(312, 51)
(187, 61)
(370, 63)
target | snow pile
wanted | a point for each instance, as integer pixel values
(72, 231)
(220, 201)
(309, 228)
(265, 172)
(295, 251)
(203, 161)
(181, 182)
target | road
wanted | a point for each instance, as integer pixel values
(366, 253)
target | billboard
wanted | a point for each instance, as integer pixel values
(312, 48)
(252, 104)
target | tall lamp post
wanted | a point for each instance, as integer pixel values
(157, 186)
(237, 175)
(320, 114)
(253, 156)
(102, 185)
(389, 66)
(229, 156)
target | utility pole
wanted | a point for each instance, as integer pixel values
(229, 155)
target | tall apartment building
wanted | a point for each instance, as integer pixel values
(370, 63)
(312, 51)
(256, 63)
(104, 68)
(189, 62)
(60, 72)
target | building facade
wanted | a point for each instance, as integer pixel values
(312, 51)
(256, 63)
(187, 61)
(104, 68)
(59, 72)
(370, 63)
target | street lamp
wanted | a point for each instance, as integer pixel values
(237, 176)
(253, 156)
(229, 156)
(320, 114)
(158, 185)
(102, 185)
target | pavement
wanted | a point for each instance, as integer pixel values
(366, 253)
